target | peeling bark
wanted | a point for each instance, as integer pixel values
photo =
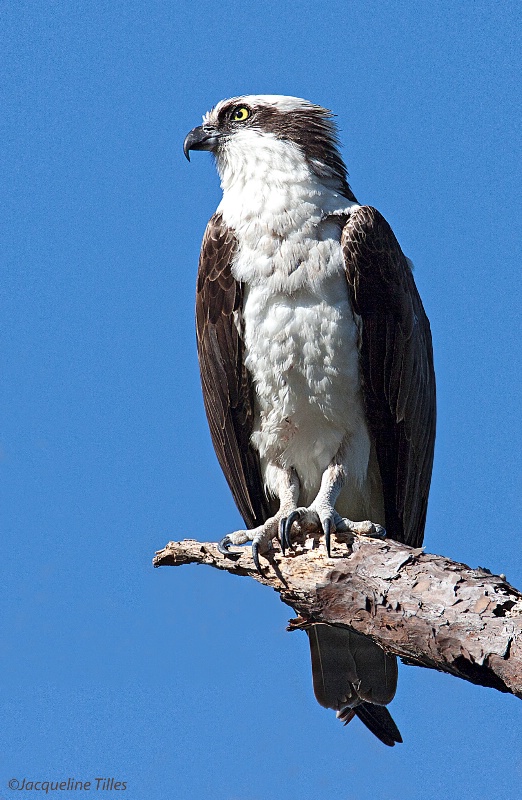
(430, 611)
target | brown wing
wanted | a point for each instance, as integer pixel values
(227, 390)
(396, 363)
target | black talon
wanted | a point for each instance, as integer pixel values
(255, 556)
(282, 539)
(292, 517)
(223, 546)
(327, 526)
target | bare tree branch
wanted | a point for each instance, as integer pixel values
(429, 610)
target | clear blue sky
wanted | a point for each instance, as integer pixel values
(184, 683)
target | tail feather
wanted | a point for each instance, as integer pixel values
(380, 722)
(352, 675)
(348, 667)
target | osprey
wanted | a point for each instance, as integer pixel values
(316, 363)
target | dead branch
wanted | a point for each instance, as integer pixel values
(428, 610)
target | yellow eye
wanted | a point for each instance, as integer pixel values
(240, 114)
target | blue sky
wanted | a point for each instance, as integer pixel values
(184, 683)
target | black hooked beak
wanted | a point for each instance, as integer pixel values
(200, 138)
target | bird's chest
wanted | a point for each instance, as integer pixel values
(302, 343)
(301, 349)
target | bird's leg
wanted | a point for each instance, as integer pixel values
(321, 513)
(288, 491)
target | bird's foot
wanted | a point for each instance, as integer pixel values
(324, 517)
(261, 538)
(317, 517)
(320, 517)
(364, 528)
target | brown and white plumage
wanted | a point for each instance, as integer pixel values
(396, 363)
(227, 388)
(316, 362)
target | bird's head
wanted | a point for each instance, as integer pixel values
(271, 132)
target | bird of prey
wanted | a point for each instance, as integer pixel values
(316, 363)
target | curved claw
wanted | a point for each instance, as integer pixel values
(282, 538)
(223, 546)
(255, 556)
(327, 528)
(292, 517)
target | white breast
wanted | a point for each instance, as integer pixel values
(300, 333)
(301, 351)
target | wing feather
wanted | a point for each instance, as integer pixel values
(396, 363)
(227, 389)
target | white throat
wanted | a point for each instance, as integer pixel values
(267, 183)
